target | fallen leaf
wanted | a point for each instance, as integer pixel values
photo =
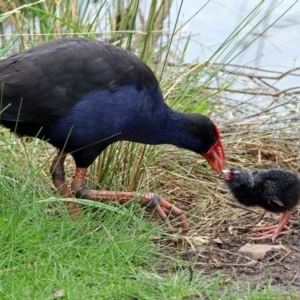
(218, 241)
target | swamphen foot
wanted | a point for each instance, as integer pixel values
(80, 190)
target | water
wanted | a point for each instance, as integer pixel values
(277, 50)
(210, 22)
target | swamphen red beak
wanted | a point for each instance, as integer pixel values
(215, 156)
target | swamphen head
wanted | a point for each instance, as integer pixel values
(82, 95)
(215, 156)
(275, 190)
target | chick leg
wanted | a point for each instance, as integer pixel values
(163, 207)
(273, 231)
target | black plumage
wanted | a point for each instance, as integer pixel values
(82, 95)
(275, 190)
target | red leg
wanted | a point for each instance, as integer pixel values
(273, 231)
(162, 206)
(58, 176)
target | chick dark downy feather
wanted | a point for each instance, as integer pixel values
(275, 190)
(82, 95)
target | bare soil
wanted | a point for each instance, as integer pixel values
(215, 250)
(279, 268)
(220, 226)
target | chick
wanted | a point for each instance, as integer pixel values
(275, 190)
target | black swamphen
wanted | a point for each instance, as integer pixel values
(275, 190)
(82, 95)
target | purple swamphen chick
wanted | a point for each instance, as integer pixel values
(275, 190)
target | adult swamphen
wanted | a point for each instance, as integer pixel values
(82, 95)
(275, 190)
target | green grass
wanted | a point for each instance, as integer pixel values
(106, 255)
(42, 254)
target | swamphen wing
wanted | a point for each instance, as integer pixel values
(81, 96)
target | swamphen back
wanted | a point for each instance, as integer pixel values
(275, 190)
(81, 96)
